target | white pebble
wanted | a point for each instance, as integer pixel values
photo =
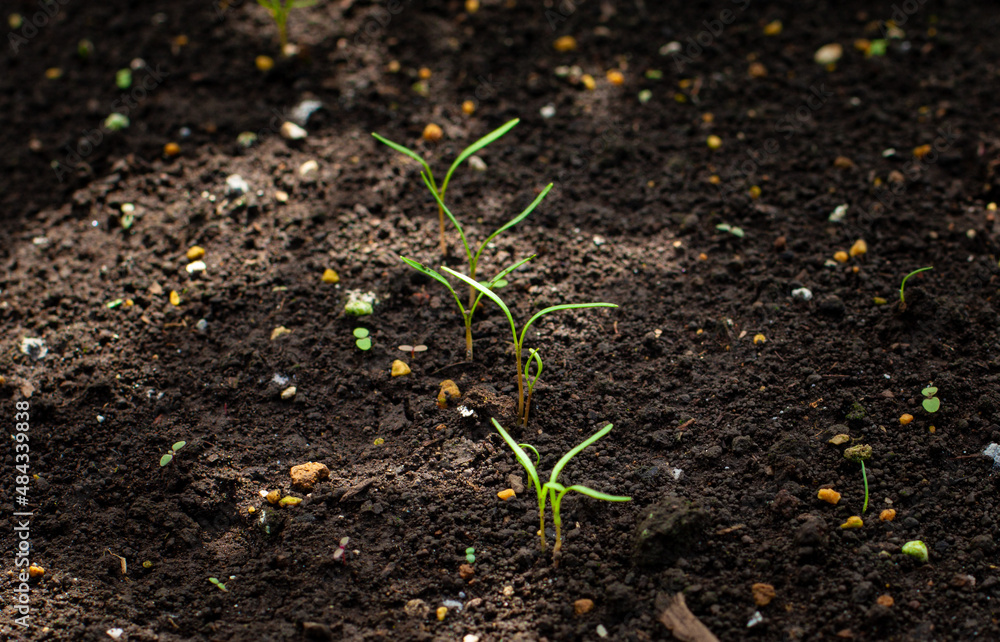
(288, 393)
(599, 240)
(291, 131)
(838, 214)
(601, 631)
(307, 167)
(670, 47)
(115, 634)
(802, 294)
(548, 111)
(195, 266)
(477, 163)
(236, 186)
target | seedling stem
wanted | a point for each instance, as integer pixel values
(902, 286)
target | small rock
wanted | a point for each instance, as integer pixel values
(477, 164)
(508, 591)
(301, 112)
(838, 213)
(583, 606)
(548, 111)
(506, 494)
(195, 252)
(829, 54)
(316, 631)
(288, 393)
(195, 266)
(330, 276)
(279, 332)
(34, 348)
(802, 294)
(840, 439)
(236, 186)
(762, 593)
(466, 572)
(515, 483)
(399, 368)
(307, 475)
(308, 167)
(115, 634)
(417, 608)
(281, 196)
(291, 131)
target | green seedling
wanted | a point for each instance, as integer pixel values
(466, 313)
(531, 381)
(362, 340)
(726, 227)
(470, 555)
(116, 122)
(519, 339)
(413, 350)
(916, 549)
(339, 553)
(279, 10)
(858, 454)
(123, 78)
(902, 286)
(220, 585)
(429, 176)
(473, 257)
(169, 457)
(552, 488)
(930, 403)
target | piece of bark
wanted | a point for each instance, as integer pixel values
(682, 622)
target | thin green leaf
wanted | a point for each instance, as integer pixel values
(475, 147)
(364, 344)
(166, 459)
(929, 391)
(489, 294)
(576, 450)
(570, 306)
(495, 281)
(527, 367)
(538, 457)
(299, 4)
(590, 492)
(932, 405)
(360, 333)
(402, 150)
(177, 446)
(514, 221)
(522, 457)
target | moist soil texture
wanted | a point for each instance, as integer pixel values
(707, 186)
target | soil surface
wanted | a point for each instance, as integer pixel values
(725, 389)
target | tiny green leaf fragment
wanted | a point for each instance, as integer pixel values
(360, 333)
(932, 405)
(220, 585)
(166, 459)
(929, 391)
(177, 446)
(364, 344)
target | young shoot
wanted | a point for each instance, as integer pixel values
(473, 257)
(519, 339)
(466, 313)
(439, 193)
(413, 350)
(531, 381)
(858, 454)
(218, 584)
(902, 286)
(361, 339)
(339, 553)
(553, 488)
(930, 403)
(279, 10)
(169, 457)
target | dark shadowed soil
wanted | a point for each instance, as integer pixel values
(724, 389)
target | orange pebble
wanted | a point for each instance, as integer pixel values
(424, 73)
(828, 495)
(905, 419)
(885, 600)
(468, 108)
(432, 133)
(887, 515)
(506, 494)
(616, 77)
(171, 149)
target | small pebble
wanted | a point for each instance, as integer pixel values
(288, 393)
(828, 495)
(852, 522)
(548, 111)
(477, 164)
(236, 186)
(564, 44)
(399, 368)
(802, 294)
(506, 494)
(583, 606)
(905, 419)
(291, 131)
(195, 252)
(279, 331)
(432, 133)
(714, 142)
(887, 515)
(308, 167)
(330, 276)
(195, 266)
(829, 54)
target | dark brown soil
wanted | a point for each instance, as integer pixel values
(721, 437)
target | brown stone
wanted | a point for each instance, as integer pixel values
(305, 476)
(762, 593)
(466, 571)
(583, 606)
